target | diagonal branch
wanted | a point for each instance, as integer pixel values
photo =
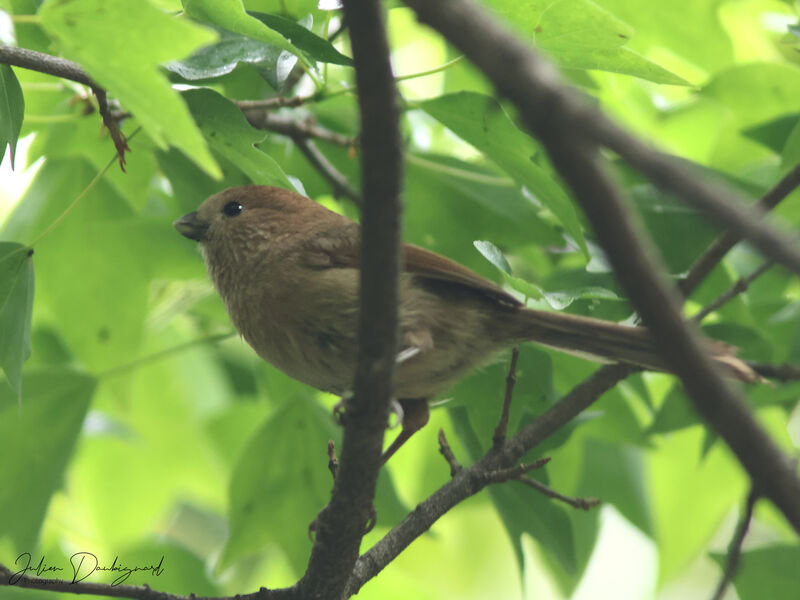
(720, 247)
(532, 83)
(569, 129)
(468, 481)
(342, 523)
(740, 287)
(340, 184)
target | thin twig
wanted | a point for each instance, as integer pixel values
(581, 503)
(333, 462)
(138, 362)
(66, 69)
(301, 133)
(501, 431)
(272, 103)
(444, 450)
(735, 547)
(340, 184)
(112, 124)
(507, 474)
(282, 101)
(741, 286)
(704, 264)
(293, 128)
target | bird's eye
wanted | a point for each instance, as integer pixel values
(232, 209)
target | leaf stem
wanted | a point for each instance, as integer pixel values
(26, 19)
(433, 71)
(135, 364)
(80, 196)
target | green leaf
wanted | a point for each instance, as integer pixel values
(693, 30)
(287, 454)
(582, 35)
(561, 299)
(526, 288)
(122, 45)
(616, 474)
(663, 215)
(791, 149)
(223, 57)
(615, 60)
(493, 254)
(773, 91)
(716, 482)
(79, 138)
(12, 109)
(676, 412)
(36, 441)
(478, 201)
(229, 134)
(100, 305)
(774, 133)
(231, 15)
(316, 47)
(16, 307)
(481, 121)
(768, 572)
(558, 300)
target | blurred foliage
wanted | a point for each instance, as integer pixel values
(131, 423)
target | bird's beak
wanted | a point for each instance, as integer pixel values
(192, 226)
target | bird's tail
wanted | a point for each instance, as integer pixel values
(611, 342)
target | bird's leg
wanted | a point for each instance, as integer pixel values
(415, 416)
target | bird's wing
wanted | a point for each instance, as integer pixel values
(340, 247)
(430, 265)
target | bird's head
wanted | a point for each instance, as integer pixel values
(249, 212)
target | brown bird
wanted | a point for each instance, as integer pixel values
(287, 270)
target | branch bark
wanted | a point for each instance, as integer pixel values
(341, 525)
(570, 131)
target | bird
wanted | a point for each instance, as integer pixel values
(287, 270)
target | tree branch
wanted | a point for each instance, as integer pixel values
(66, 69)
(470, 480)
(563, 123)
(342, 523)
(533, 84)
(301, 133)
(735, 547)
(701, 268)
